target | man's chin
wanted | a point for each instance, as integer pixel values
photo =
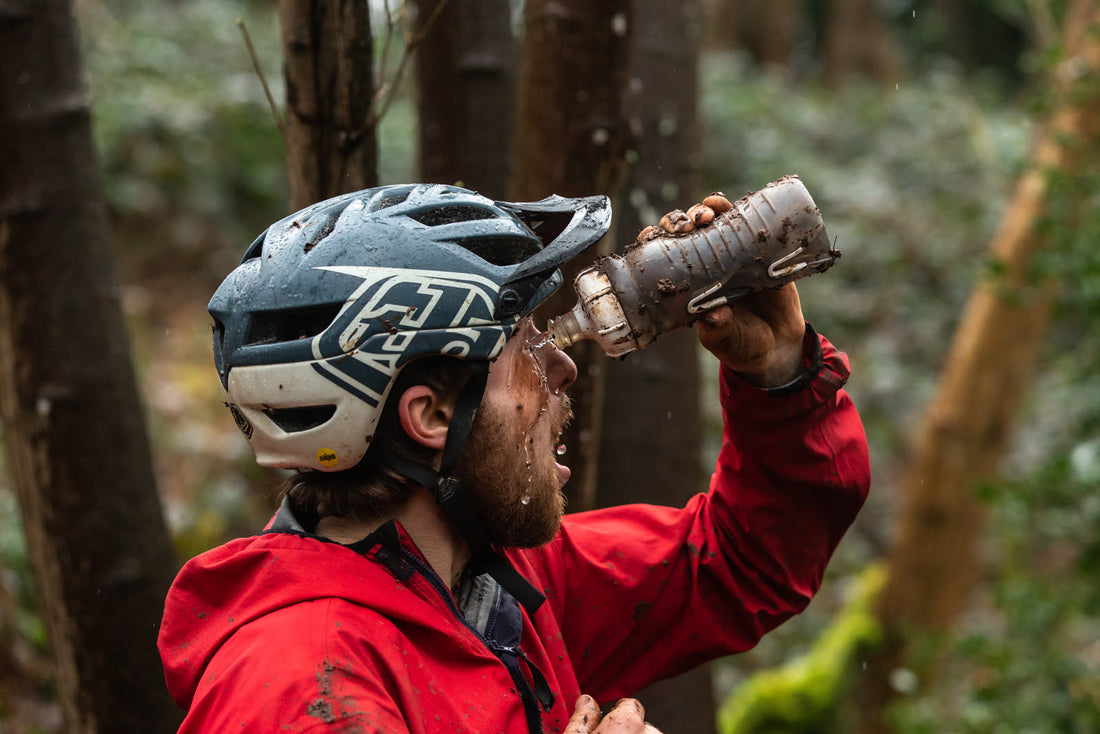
(535, 531)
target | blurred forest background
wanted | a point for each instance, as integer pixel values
(916, 126)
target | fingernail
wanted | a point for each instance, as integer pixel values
(585, 700)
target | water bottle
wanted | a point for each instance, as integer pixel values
(769, 238)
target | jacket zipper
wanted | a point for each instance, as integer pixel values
(527, 694)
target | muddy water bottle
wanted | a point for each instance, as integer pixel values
(769, 238)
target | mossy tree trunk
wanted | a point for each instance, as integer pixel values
(933, 564)
(72, 418)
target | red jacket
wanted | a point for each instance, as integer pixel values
(288, 632)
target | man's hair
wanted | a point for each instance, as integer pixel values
(370, 489)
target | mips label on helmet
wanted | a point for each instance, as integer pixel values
(327, 457)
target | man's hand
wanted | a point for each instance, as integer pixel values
(760, 335)
(628, 717)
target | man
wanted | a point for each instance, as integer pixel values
(419, 575)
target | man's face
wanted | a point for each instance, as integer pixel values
(509, 460)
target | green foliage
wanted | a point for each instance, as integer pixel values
(1030, 660)
(802, 696)
(183, 127)
(16, 584)
(912, 184)
(911, 181)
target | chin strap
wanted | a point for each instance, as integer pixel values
(453, 498)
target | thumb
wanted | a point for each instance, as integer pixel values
(585, 718)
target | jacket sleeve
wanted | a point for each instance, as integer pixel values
(642, 592)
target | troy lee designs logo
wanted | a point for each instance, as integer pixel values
(398, 314)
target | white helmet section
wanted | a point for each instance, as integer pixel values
(327, 446)
(357, 382)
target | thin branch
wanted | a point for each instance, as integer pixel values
(424, 29)
(280, 123)
(384, 57)
(387, 90)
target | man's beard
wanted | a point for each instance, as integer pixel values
(513, 487)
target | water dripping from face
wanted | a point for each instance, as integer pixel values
(529, 384)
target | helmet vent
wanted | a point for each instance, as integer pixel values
(321, 232)
(388, 201)
(296, 420)
(256, 248)
(275, 327)
(440, 215)
(501, 250)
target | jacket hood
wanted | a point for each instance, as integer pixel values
(220, 591)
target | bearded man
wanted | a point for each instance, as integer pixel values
(419, 575)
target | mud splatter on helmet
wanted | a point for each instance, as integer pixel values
(329, 304)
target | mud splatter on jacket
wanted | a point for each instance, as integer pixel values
(286, 632)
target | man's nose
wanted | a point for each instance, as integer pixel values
(561, 370)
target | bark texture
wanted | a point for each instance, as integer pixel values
(330, 135)
(465, 72)
(571, 137)
(965, 430)
(72, 420)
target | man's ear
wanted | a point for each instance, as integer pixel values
(425, 416)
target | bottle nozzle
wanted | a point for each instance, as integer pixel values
(564, 330)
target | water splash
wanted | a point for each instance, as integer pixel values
(561, 449)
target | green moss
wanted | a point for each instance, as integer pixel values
(802, 695)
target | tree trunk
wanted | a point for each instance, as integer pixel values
(857, 42)
(777, 30)
(465, 82)
(571, 138)
(933, 563)
(73, 422)
(722, 25)
(766, 29)
(651, 400)
(331, 146)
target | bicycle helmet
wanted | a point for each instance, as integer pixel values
(329, 304)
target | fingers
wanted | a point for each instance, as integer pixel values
(760, 336)
(628, 717)
(718, 202)
(678, 222)
(585, 718)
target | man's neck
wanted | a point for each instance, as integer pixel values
(423, 519)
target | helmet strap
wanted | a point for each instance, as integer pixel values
(451, 494)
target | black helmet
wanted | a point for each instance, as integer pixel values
(328, 304)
